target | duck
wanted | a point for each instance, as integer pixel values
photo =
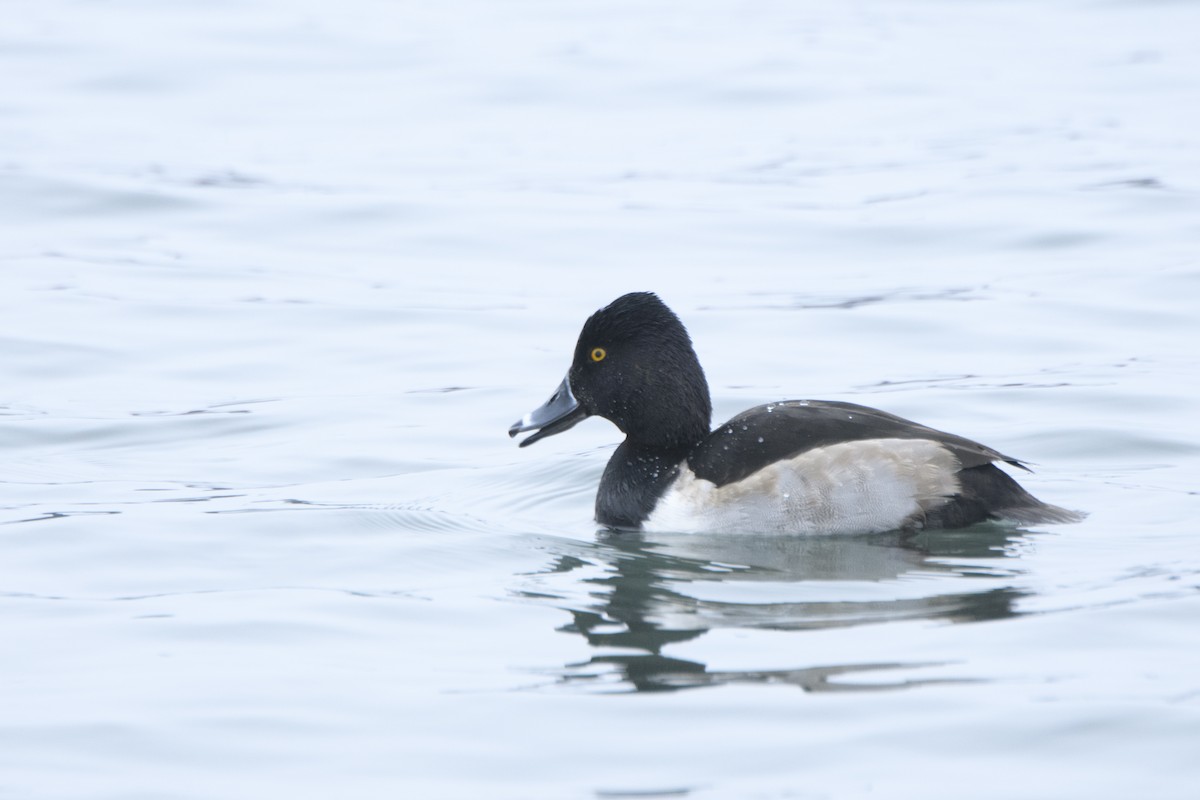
(809, 467)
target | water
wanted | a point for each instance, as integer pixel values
(278, 276)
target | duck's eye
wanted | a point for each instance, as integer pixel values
(598, 353)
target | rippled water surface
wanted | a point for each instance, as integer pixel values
(277, 276)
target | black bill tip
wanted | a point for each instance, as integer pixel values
(560, 412)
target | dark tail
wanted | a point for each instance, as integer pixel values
(990, 493)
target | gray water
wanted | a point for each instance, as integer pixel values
(277, 276)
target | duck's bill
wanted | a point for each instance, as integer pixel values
(561, 412)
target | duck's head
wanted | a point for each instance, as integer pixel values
(634, 365)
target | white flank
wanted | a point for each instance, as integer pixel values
(854, 487)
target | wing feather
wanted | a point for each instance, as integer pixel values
(778, 431)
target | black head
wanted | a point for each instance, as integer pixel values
(634, 365)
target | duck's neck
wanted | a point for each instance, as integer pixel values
(633, 481)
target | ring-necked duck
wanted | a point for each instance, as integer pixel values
(799, 466)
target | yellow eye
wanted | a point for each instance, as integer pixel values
(598, 353)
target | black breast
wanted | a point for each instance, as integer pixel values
(632, 483)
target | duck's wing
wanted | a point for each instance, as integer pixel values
(778, 431)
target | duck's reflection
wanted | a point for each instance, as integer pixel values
(655, 590)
